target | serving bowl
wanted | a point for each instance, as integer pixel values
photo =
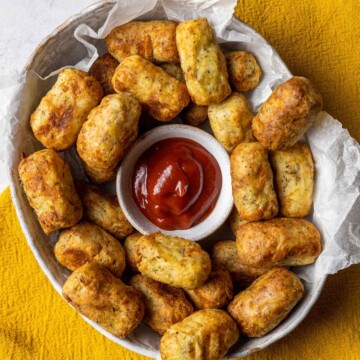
(48, 57)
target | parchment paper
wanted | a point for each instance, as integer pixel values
(336, 210)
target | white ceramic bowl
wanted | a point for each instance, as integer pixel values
(223, 205)
(48, 57)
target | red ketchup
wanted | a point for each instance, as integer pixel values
(176, 183)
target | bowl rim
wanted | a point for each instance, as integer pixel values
(13, 177)
(216, 217)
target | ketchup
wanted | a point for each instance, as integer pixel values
(176, 183)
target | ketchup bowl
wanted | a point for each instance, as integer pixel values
(176, 179)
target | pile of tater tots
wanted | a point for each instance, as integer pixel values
(199, 302)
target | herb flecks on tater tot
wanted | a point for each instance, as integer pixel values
(86, 242)
(216, 292)
(172, 260)
(152, 40)
(278, 242)
(106, 136)
(105, 299)
(252, 182)
(266, 302)
(103, 209)
(224, 253)
(202, 62)
(293, 179)
(285, 116)
(160, 94)
(210, 331)
(231, 121)
(165, 305)
(244, 71)
(49, 187)
(103, 70)
(57, 120)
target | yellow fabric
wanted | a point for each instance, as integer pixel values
(319, 39)
(36, 323)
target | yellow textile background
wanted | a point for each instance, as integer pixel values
(319, 39)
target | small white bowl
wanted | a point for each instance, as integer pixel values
(223, 205)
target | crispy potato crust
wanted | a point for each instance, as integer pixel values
(205, 335)
(269, 299)
(99, 176)
(103, 70)
(252, 182)
(280, 242)
(103, 209)
(172, 260)
(294, 179)
(202, 62)
(105, 299)
(231, 120)
(285, 116)
(57, 120)
(49, 187)
(86, 242)
(224, 253)
(193, 114)
(244, 71)
(216, 292)
(159, 93)
(108, 133)
(130, 251)
(153, 40)
(164, 305)
(235, 220)
(174, 70)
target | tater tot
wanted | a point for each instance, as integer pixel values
(103, 209)
(205, 335)
(159, 93)
(216, 292)
(285, 116)
(172, 260)
(193, 114)
(266, 302)
(202, 62)
(105, 299)
(153, 40)
(231, 120)
(294, 179)
(86, 242)
(99, 176)
(235, 220)
(130, 251)
(49, 187)
(57, 120)
(244, 71)
(108, 133)
(165, 305)
(174, 70)
(278, 242)
(252, 182)
(224, 253)
(103, 70)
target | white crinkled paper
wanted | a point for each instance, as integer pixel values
(219, 13)
(336, 211)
